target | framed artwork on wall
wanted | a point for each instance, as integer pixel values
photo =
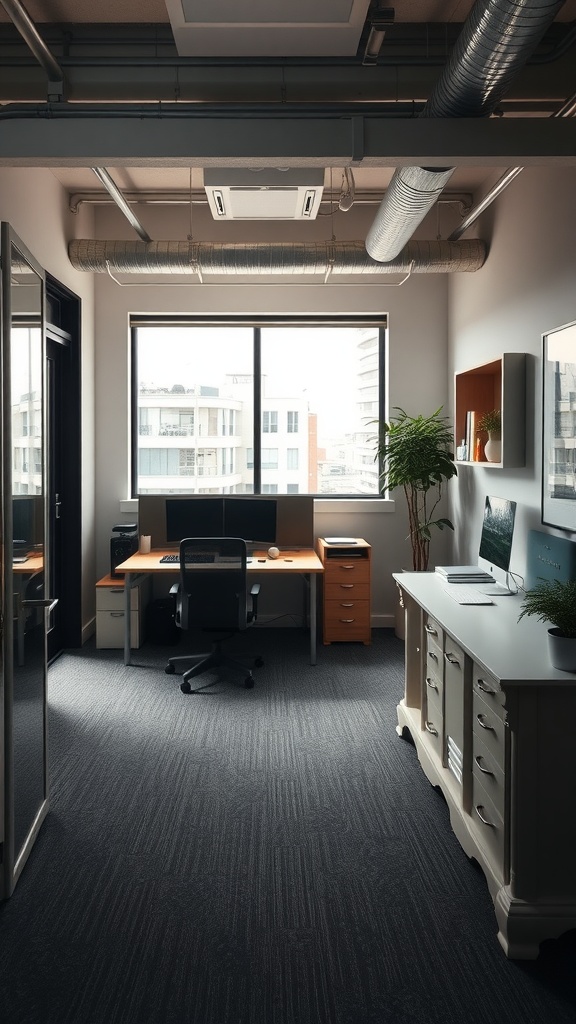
(559, 428)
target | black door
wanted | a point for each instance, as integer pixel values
(64, 477)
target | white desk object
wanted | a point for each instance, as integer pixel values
(304, 562)
(493, 725)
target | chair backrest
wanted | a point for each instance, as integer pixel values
(213, 585)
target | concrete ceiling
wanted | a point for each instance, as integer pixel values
(264, 55)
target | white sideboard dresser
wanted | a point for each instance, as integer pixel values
(494, 726)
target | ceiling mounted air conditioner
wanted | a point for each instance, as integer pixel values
(265, 194)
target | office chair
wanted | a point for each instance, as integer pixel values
(213, 595)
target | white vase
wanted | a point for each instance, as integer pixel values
(493, 447)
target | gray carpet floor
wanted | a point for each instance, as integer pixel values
(265, 856)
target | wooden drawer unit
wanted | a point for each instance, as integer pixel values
(110, 612)
(346, 611)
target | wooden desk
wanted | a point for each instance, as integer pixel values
(304, 562)
(23, 573)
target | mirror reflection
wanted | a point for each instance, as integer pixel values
(26, 357)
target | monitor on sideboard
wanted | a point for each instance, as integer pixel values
(496, 543)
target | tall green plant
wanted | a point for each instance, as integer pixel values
(553, 601)
(417, 455)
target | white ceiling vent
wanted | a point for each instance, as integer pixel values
(267, 194)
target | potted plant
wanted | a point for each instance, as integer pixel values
(416, 453)
(491, 423)
(555, 601)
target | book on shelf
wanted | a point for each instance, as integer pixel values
(472, 420)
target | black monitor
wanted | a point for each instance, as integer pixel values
(194, 517)
(27, 517)
(253, 519)
(496, 540)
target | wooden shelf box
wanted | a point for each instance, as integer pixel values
(499, 384)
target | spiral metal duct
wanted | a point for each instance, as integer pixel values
(321, 258)
(495, 43)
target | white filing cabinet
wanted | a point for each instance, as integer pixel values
(110, 611)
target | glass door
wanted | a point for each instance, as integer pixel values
(25, 604)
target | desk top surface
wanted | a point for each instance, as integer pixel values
(514, 652)
(304, 560)
(33, 563)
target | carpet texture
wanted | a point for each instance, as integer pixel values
(265, 856)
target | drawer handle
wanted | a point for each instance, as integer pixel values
(451, 659)
(481, 719)
(347, 620)
(431, 630)
(117, 615)
(485, 689)
(430, 682)
(433, 656)
(347, 566)
(431, 729)
(479, 759)
(479, 808)
(347, 586)
(346, 604)
(116, 590)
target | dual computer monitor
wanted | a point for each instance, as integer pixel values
(253, 519)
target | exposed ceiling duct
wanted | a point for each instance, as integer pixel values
(320, 258)
(495, 43)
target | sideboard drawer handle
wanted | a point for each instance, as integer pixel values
(430, 682)
(431, 729)
(481, 719)
(451, 659)
(485, 689)
(479, 759)
(433, 656)
(479, 808)
(430, 629)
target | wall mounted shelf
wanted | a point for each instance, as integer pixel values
(499, 384)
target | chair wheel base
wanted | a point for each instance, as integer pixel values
(249, 683)
(170, 670)
(186, 687)
(258, 662)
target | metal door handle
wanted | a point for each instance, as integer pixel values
(49, 603)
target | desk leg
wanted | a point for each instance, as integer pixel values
(312, 593)
(127, 618)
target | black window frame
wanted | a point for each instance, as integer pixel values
(379, 321)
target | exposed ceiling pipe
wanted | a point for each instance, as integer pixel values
(495, 43)
(103, 176)
(259, 258)
(22, 21)
(567, 110)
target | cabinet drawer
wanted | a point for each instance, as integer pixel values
(341, 570)
(434, 632)
(355, 629)
(488, 826)
(489, 775)
(434, 686)
(433, 728)
(346, 591)
(112, 598)
(490, 730)
(434, 702)
(488, 689)
(110, 629)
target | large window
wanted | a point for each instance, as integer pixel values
(286, 407)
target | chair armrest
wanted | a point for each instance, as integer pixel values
(254, 591)
(174, 589)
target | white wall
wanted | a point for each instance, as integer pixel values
(35, 204)
(526, 287)
(417, 362)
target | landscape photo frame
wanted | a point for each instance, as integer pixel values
(559, 427)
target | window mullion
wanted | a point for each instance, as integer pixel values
(257, 411)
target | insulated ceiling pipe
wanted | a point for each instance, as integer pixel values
(495, 43)
(321, 258)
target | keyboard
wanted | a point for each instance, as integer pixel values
(198, 558)
(466, 595)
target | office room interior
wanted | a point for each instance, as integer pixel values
(438, 324)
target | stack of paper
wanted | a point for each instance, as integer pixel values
(463, 574)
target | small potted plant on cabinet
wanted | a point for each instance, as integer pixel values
(555, 601)
(491, 423)
(416, 453)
